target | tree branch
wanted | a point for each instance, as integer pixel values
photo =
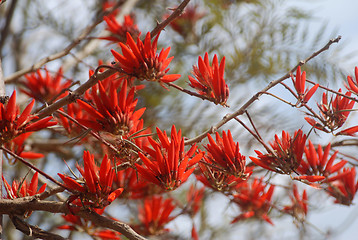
(255, 97)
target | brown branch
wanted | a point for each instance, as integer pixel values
(64, 52)
(20, 205)
(33, 231)
(256, 96)
(177, 12)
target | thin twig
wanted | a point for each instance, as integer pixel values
(256, 96)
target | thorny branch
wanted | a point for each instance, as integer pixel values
(256, 96)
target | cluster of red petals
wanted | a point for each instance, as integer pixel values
(140, 60)
(154, 214)
(23, 189)
(353, 85)
(299, 205)
(303, 94)
(185, 23)
(343, 186)
(286, 153)
(225, 154)
(13, 124)
(218, 180)
(254, 200)
(334, 114)
(108, 5)
(74, 111)
(95, 187)
(119, 31)
(45, 88)
(194, 199)
(209, 80)
(113, 113)
(167, 164)
(318, 165)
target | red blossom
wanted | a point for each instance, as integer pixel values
(13, 124)
(353, 85)
(318, 165)
(225, 154)
(95, 189)
(119, 31)
(343, 186)
(46, 88)
(154, 214)
(167, 164)
(23, 189)
(210, 80)
(333, 113)
(254, 200)
(140, 60)
(286, 153)
(303, 94)
(194, 200)
(113, 113)
(299, 205)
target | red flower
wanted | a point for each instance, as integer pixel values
(343, 186)
(119, 31)
(225, 154)
(141, 60)
(253, 200)
(210, 80)
(12, 124)
(353, 86)
(298, 207)
(299, 83)
(19, 190)
(194, 199)
(168, 165)
(218, 180)
(154, 214)
(113, 113)
(333, 113)
(45, 88)
(318, 164)
(286, 154)
(95, 190)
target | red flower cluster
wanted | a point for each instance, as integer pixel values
(253, 200)
(13, 125)
(299, 206)
(167, 164)
(343, 186)
(194, 199)
(95, 187)
(210, 80)
(318, 165)
(154, 214)
(225, 154)
(353, 86)
(45, 88)
(286, 154)
(299, 83)
(334, 113)
(142, 61)
(119, 31)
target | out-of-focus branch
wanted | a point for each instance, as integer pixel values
(20, 205)
(5, 30)
(177, 12)
(255, 97)
(93, 43)
(33, 231)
